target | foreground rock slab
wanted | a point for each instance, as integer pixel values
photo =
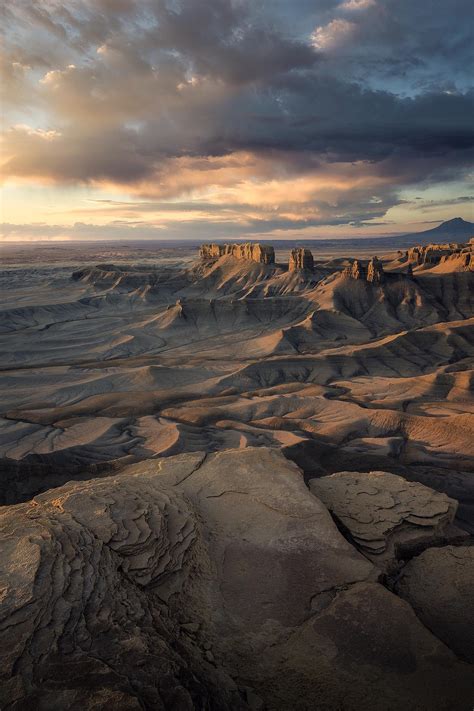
(386, 516)
(439, 584)
(205, 582)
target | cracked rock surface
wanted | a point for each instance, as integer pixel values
(205, 582)
(386, 516)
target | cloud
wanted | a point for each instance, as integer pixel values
(332, 34)
(246, 105)
(357, 4)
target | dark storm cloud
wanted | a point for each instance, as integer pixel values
(220, 39)
(127, 91)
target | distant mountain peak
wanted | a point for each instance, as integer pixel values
(456, 227)
(455, 230)
(454, 221)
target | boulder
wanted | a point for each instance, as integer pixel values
(386, 516)
(364, 650)
(439, 585)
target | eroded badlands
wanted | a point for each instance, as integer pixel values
(239, 482)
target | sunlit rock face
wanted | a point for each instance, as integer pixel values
(255, 252)
(357, 270)
(300, 258)
(432, 254)
(429, 254)
(210, 251)
(464, 259)
(375, 273)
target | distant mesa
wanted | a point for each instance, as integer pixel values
(300, 258)
(254, 252)
(433, 254)
(373, 272)
(430, 253)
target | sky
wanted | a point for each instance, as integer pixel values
(215, 119)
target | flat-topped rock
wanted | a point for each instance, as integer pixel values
(387, 516)
(433, 254)
(300, 258)
(255, 252)
(439, 585)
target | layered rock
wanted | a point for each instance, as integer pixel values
(372, 273)
(386, 516)
(428, 254)
(204, 581)
(255, 252)
(300, 258)
(375, 273)
(433, 254)
(464, 258)
(212, 251)
(357, 270)
(81, 626)
(439, 585)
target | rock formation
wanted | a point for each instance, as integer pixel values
(433, 254)
(439, 585)
(205, 582)
(255, 252)
(372, 272)
(375, 273)
(387, 516)
(188, 566)
(357, 270)
(465, 258)
(300, 258)
(213, 251)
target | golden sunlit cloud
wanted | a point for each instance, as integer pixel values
(246, 125)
